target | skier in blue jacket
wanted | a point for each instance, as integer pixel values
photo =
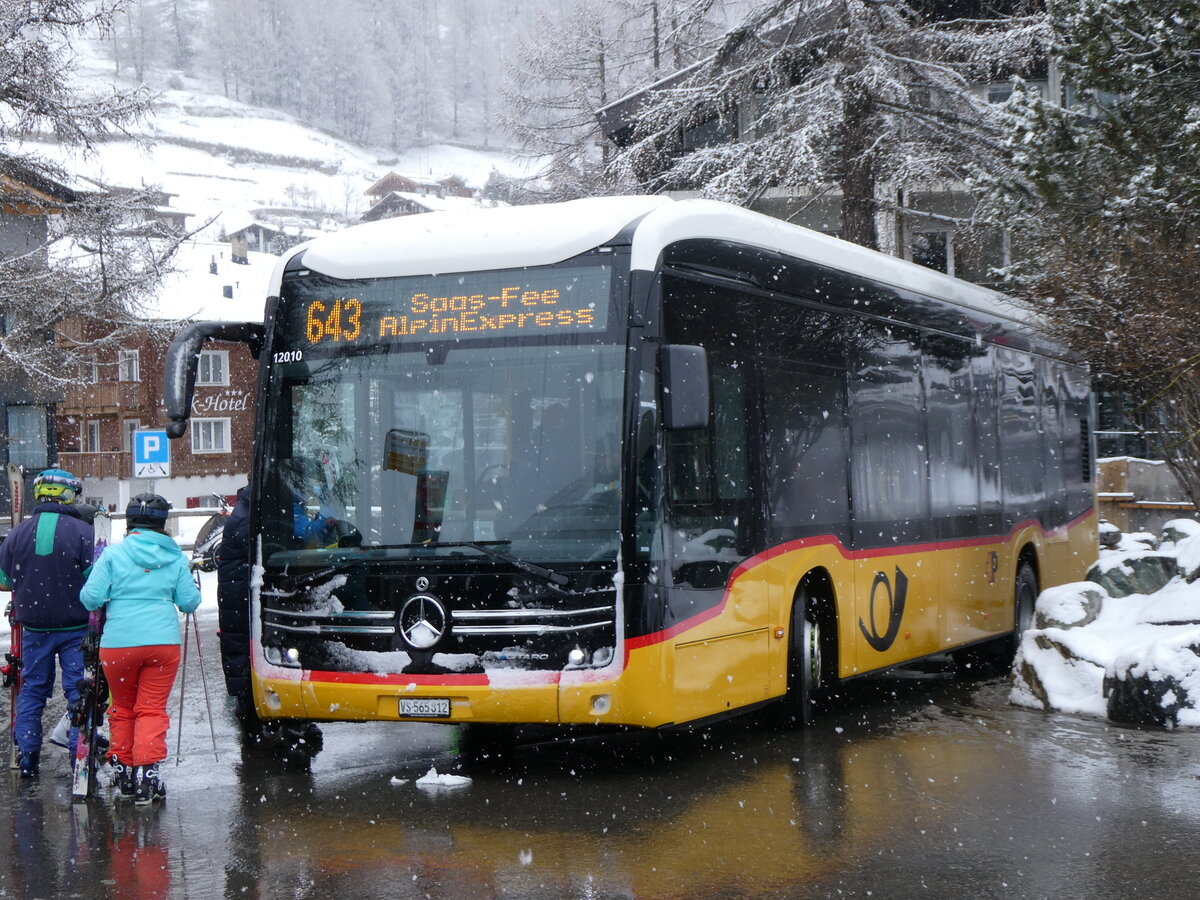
(44, 561)
(145, 582)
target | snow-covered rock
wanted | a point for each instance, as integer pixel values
(1157, 684)
(1069, 605)
(1178, 530)
(1126, 643)
(1139, 572)
(1110, 535)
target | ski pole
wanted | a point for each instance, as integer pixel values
(204, 681)
(182, 685)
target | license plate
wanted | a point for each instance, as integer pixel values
(425, 707)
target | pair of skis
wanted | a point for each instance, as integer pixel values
(88, 715)
(11, 670)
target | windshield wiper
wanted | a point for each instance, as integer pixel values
(299, 581)
(548, 577)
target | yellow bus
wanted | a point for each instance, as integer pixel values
(638, 461)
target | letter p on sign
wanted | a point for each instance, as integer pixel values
(151, 455)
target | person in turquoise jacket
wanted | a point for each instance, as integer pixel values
(144, 582)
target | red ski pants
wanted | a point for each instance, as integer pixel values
(140, 680)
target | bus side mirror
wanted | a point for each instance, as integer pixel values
(179, 370)
(685, 387)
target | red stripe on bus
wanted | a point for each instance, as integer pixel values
(831, 540)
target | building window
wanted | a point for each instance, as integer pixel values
(127, 366)
(213, 368)
(90, 439)
(27, 437)
(91, 370)
(1002, 91)
(999, 93)
(128, 427)
(933, 250)
(210, 435)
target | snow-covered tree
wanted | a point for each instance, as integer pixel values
(1103, 205)
(857, 97)
(599, 53)
(556, 90)
(74, 257)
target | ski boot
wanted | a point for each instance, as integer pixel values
(27, 762)
(61, 732)
(147, 786)
(125, 787)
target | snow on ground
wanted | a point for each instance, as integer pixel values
(1126, 643)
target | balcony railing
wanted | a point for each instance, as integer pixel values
(96, 465)
(91, 399)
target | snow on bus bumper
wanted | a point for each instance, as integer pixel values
(574, 696)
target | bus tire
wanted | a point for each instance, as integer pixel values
(811, 658)
(1025, 594)
(996, 656)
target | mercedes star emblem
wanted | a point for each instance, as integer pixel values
(422, 621)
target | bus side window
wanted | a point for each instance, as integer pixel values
(954, 446)
(889, 468)
(804, 419)
(1021, 437)
(709, 472)
(711, 509)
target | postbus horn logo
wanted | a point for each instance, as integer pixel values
(895, 604)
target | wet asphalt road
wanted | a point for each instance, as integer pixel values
(919, 786)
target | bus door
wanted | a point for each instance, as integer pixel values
(720, 651)
(806, 487)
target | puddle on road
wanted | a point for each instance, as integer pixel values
(915, 785)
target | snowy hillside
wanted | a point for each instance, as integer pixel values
(223, 160)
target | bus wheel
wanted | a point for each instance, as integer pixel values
(996, 656)
(810, 660)
(1026, 593)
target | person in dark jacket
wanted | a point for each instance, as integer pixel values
(295, 741)
(233, 606)
(44, 561)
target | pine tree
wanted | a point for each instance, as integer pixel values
(1103, 205)
(80, 262)
(859, 97)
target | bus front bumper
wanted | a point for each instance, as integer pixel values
(573, 697)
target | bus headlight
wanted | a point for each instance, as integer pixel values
(576, 657)
(278, 657)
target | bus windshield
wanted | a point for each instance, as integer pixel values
(407, 454)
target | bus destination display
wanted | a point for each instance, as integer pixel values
(477, 304)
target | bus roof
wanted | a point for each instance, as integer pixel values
(519, 236)
(506, 237)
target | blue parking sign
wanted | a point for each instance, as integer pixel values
(151, 454)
